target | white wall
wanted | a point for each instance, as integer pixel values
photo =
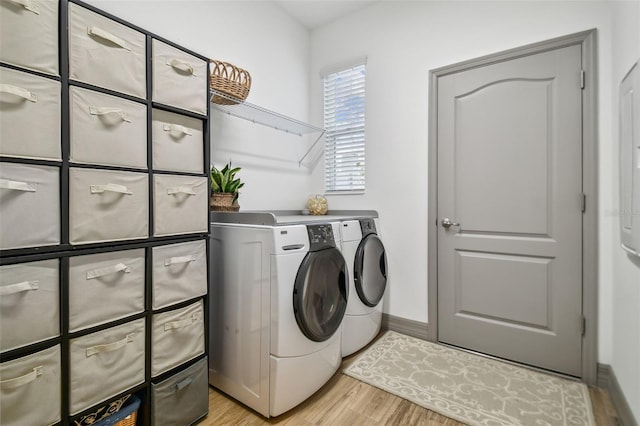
(261, 38)
(626, 270)
(403, 40)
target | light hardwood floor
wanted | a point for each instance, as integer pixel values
(345, 401)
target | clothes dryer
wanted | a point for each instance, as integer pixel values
(278, 297)
(365, 254)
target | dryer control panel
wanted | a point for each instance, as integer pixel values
(320, 237)
(368, 226)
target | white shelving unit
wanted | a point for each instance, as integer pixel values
(259, 115)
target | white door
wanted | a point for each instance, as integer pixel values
(510, 209)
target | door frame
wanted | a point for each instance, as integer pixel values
(587, 41)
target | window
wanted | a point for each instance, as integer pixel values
(344, 113)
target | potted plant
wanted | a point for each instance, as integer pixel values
(224, 188)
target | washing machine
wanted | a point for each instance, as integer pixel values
(367, 262)
(278, 296)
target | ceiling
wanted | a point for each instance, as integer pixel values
(315, 13)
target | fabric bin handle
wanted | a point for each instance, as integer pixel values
(110, 347)
(19, 91)
(22, 380)
(176, 128)
(110, 187)
(93, 110)
(185, 189)
(179, 259)
(182, 384)
(172, 325)
(99, 32)
(19, 287)
(17, 185)
(27, 4)
(101, 272)
(181, 65)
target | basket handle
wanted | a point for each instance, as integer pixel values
(110, 347)
(15, 185)
(27, 5)
(101, 272)
(19, 287)
(19, 91)
(176, 128)
(230, 72)
(22, 380)
(185, 189)
(181, 66)
(182, 384)
(106, 111)
(99, 32)
(110, 187)
(172, 325)
(179, 259)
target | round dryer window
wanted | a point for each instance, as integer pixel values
(320, 294)
(370, 270)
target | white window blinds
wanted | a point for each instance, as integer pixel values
(344, 115)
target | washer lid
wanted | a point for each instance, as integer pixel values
(370, 270)
(320, 294)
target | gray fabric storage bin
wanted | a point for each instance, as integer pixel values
(29, 303)
(179, 79)
(30, 389)
(181, 399)
(30, 111)
(179, 273)
(178, 142)
(105, 363)
(107, 205)
(106, 53)
(176, 337)
(25, 192)
(29, 35)
(105, 287)
(106, 129)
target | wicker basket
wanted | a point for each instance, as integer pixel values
(223, 202)
(230, 80)
(126, 416)
(130, 420)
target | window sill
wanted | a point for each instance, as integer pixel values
(358, 192)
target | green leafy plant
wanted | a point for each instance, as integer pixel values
(225, 180)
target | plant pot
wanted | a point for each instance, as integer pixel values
(223, 202)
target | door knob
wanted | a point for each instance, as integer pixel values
(446, 222)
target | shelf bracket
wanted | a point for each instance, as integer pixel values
(311, 148)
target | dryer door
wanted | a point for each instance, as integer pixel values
(370, 270)
(320, 294)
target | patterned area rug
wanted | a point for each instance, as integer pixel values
(470, 388)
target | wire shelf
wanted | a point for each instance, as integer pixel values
(265, 117)
(259, 115)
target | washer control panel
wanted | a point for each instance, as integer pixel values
(320, 236)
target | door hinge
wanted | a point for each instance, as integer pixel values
(583, 327)
(584, 202)
(582, 79)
